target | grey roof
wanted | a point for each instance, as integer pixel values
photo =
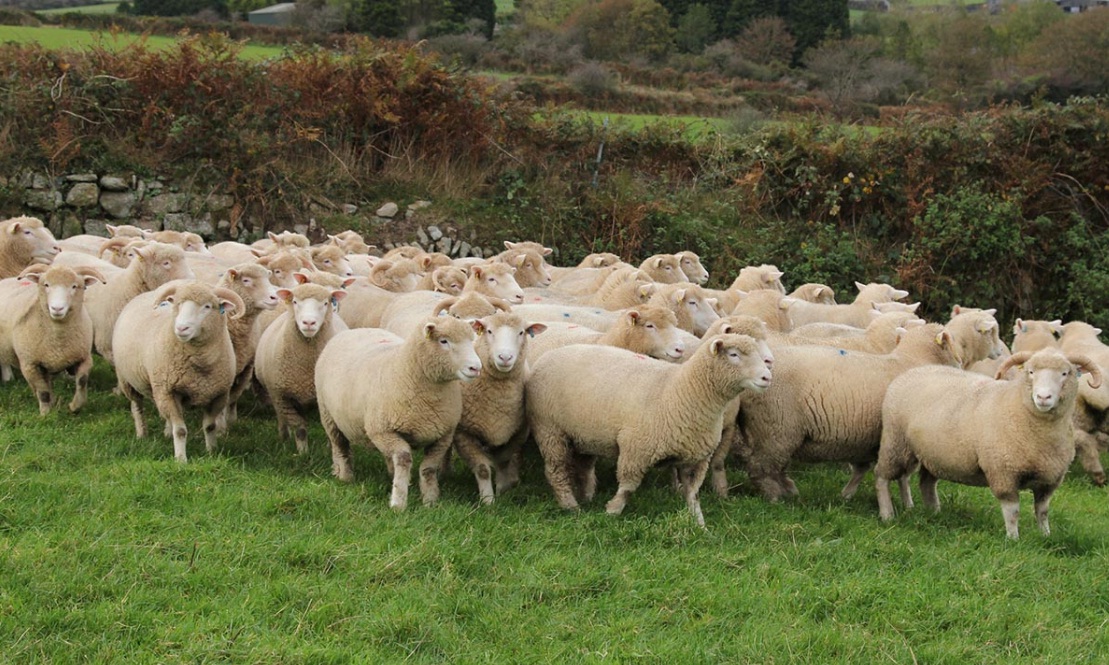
(276, 9)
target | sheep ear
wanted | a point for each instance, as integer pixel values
(658, 262)
(992, 311)
(519, 260)
(509, 245)
(348, 281)
(772, 275)
(285, 294)
(232, 273)
(786, 303)
(273, 236)
(715, 346)
(1020, 327)
(479, 326)
(426, 260)
(337, 295)
(535, 328)
(166, 295)
(499, 303)
(301, 278)
(646, 291)
(1056, 327)
(228, 299)
(860, 286)
(444, 304)
(1014, 360)
(678, 295)
(633, 316)
(477, 271)
(956, 310)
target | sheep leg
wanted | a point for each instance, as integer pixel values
(470, 450)
(81, 391)
(211, 421)
(340, 448)
(508, 459)
(885, 503)
(858, 472)
(430, 467)
(1085, 446)
(289, 417)
(5, 373)
(692, 478)
(928, 492)
(558, 460)
(1010, 511)
(238, 387)
(719, 461)
(585, 477)
(136, 400)
(906, 492)
(41, 384)
(170, 408)
(629, 474)
(396, 449)
(1042, 498)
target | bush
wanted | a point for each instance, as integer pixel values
(593, 80)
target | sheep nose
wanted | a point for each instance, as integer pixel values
(182, 330)
(518, 298)
(309, 323)
(57, 310)
(506, 357)
(769, 363)
(678, 351)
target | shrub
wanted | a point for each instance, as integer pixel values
(593, 80)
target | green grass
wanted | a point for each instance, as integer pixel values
(112, 552)
(67, 38)
(103, 8)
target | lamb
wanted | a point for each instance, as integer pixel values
(588, 401)
(153, 266)
(251, 283)
(373, 387)
(649, 330)
(695, 311)
(691, 266)
(178, 355)
(285, 358)
(812, 292)
(664, 269)
(623, 288)
(1081, 338)
(491, 432)
(825, 406)
(966, 428)
(23, 241)
(769, 306)
(186, 240)
(756, 278)
(351, 242)
(857, 314)
(46, 330)
(531, 269)
(331, 258)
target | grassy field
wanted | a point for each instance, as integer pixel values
(103, 8)
(66, 38)
(112, 552)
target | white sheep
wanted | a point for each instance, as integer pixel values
(251, 282)
(153, 265)
(970, 429)
(172, 346)
(186, 240)
(690, 303)
(769, 306)
(45, 330)
(857, 313)
(649, 330)
(492, 429)
(825, 405)
(352, 242)
(397, 394)
(23, 241)
(757, 278)
(531, 269)
(585, 402)
(691, 265)
(813, 292)
(1081, 338)
(664, 269)
(285, 358)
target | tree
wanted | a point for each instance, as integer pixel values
(959, 59)
(852, 71)
(178, 7)
(766, 41)
(813, 21)
(623, 29)
(1074, 52)
(695, 29)
(741, 13)
(380, 18)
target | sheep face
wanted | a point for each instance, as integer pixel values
(1050, 379)
(29, 240)
(599, 260)
(312, 304)
(743, 361)
(282, 266)
(505, 340)
(700, 310)
(497, 280)
(760, 278)
(654, 332)
(664, 269)
(397, 275)
(252, 283)
(748, 326)
(449, 280)
(815, 293)
(691, 266)
(163, 263)
(531, 269)
(448, 349)
(877, 292)
(977, 336)
(61, 289)
(332, 259)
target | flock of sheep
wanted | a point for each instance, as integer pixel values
(641, 364)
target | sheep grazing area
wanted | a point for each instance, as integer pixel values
(110, 551)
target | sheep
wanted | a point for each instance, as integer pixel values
(444, 279)
(757, 278)
(282, 266)
(857, 314)
(528, 246)
(120, 251)
(23, 241)
(825, 406)
(623, 288)
(352, 242)
(812, 292)
(251, 283)
(695, 311)
(770, 306)
(1093, 403)
(45, 330)
(285, 358)
(585, 281)
(404, 252)
(331, 258)
(649, 330)
(285, 240)
(177, 354)
(125, 231)
(587, 401)
(1035, 335)
(491, 431)
(397, 275)
(880, 337)
(153, 266)
(664, 269)
(186, 240)
(970, 429)
(397, 394)
(691, 265)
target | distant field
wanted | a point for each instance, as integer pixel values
(61, 38)
(691, 126)
(103, 8)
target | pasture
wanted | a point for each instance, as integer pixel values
(67, 38)
(112, 552)
(102, 8)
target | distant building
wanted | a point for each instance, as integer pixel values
(275, 15)
(1075, 6)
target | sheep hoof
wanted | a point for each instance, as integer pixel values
(1098, 478)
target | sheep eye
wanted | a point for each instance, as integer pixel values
(492, 281)
(207, 307)
(246, 282)
(650, 326)
(444, 342)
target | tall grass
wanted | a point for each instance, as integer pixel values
(112, 552)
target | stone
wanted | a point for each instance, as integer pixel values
(40, 181)
(434, 233)
(219, 202)
(114, 183)
(476, 252)
(317, 209)
(421, 236)
(464, 248)
(389, 210)
(97, 227)
(445, 245)
(389, 246)
(416, 206)
(71, 226)
(83, 195)
(302, 229)
(161, 204)
(82, 177)
(117, 204)
(44, 200)
(4, 181)
(349, 209)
